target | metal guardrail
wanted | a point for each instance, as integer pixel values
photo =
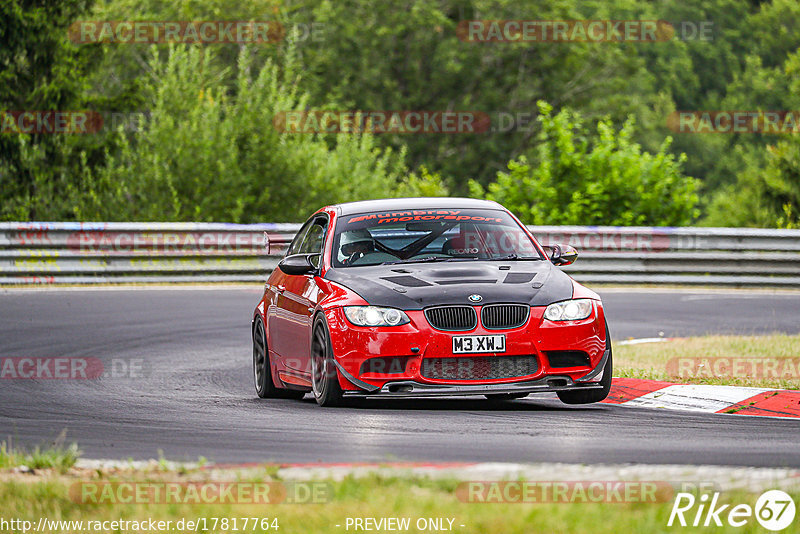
(697, 256)
(78, 253)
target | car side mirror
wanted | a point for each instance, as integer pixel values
(563, 255)
(299, 264)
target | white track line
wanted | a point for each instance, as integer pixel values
(696, 398)
(643, 340)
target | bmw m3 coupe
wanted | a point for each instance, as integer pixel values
(421, 297)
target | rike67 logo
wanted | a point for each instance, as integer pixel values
(774, 510)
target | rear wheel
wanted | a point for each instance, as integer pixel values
(324, 377)
(262, 370)
(590, 396)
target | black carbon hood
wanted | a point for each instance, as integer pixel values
(415, 286)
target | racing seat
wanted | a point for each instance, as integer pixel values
(456, 246)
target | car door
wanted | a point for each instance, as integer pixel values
(297, 297)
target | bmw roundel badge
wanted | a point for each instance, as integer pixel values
(475, 298)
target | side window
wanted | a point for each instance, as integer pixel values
(294, 247)
(312, 242)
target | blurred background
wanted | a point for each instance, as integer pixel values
(581, 131)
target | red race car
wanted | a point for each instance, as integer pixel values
(422, 297)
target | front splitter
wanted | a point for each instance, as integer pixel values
(410, 388)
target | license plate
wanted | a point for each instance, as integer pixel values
(478, 344)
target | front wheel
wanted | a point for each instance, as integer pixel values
(590, 396)
(324, 377)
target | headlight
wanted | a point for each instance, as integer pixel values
(375, 316)
(569, 310)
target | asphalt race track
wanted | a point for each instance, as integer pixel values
(192, 393)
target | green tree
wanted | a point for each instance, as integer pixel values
(40, 70)
(763, 196)
(206, 155)
(582, 177)
(379, 56)
(766, 193)
(742, 68)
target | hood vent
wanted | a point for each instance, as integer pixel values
(463, 281)
(518, 278)
(407, 281)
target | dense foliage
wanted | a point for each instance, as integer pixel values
(581, 177)
(580, 133)
(204, 155)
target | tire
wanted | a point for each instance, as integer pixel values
(505, 396)
(590, 396)
(262, 370)
(324, 377)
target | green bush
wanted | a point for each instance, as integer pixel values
(583, 177)
(55, 456)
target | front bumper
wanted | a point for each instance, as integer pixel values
(411, 388)
(414, 342)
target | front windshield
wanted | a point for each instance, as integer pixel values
(430, 235)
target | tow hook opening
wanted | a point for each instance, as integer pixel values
(557, 382)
